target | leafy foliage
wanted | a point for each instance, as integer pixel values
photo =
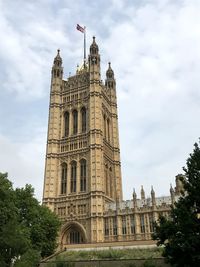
(27, 229)
(180, 234)
(30, 258)
(43, 225)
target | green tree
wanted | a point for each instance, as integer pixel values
(41, 222)
(30, 258)
(26, 227)
(180, 234)
(14, 238)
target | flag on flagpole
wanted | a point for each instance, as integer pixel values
(79, 28)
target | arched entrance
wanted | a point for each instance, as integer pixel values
(73, 233)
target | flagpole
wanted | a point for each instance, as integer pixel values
(84, 47)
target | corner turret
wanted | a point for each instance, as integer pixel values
(110, 79)
(57, 69)
(94, 62)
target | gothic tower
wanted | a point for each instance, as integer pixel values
(82, 170)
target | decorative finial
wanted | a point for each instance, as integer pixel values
(58, 50)
(142, 193)
(134, 193)
(152, 191)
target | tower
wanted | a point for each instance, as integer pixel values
(82, 169)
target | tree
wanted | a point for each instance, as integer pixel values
(30, 258)
(27, 229)
(41, 222)
(180, 234)
(14, 238)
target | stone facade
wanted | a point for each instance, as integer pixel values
(83, 182)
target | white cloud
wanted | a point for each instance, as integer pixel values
(154, 49)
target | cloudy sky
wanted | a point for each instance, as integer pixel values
(154, 47)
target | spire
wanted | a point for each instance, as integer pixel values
(94, 49)
(134, 199)
(134, 194)
(152, 191)
(57, 69)
(109, 72)
(153, 198)
(110, 80)
(171, 189)
(58, 60)
(94, 62)
(142, 193)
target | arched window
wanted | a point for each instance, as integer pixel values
(64, 178)
(66, 124)
(75, 121)
(73, 176)
(83, 120)
(83, 175)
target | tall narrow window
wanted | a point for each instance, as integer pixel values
(66, 124)
(132, 219)
(64, 179)
(73, 176)
(75, 121)
(114, 226)
(104, 122)
(83, 175)
(106, 226)
(151, 223)
(124, 225)
(107, 181)
(108, 129)
(83, 120)
(110, 183)
(142, 224)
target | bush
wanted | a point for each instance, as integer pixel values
(149, 263)
(31, 259)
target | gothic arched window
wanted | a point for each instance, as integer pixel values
(73, 176)
(75, 121)
(83, 120)
(64, 178)
(66, 124)
(83, 175)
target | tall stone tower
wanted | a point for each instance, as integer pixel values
(82, 171)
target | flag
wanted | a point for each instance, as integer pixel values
(79, 28)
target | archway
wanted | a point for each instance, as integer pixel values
(73, 233)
